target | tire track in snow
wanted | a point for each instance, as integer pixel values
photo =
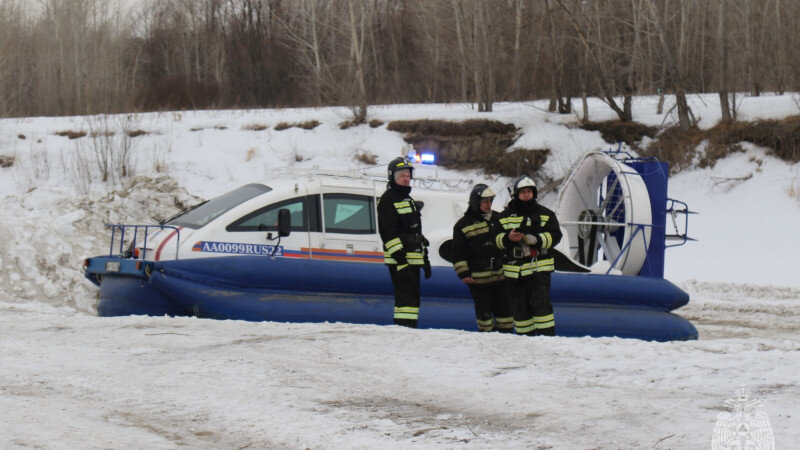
(732, 310)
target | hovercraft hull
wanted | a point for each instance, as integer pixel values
(306, 290)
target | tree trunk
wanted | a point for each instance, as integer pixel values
(750, 65)
(585, 104)
(515, 80)
(722, 58)
(684, 119)
(675, 72)
(780, 55)
(564, 105)
(485, 48)
(553, 105)
(624, 116)
(555, 76)
(627, 108)
(315, 50)
(360, 115)
(461, 51)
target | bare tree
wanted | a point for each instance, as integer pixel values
(462, 51)
(670, 47)
(608, 49)
(722, 62)
(11, 29)
(80, 56)
(557, 61)
(479, 46)
(516, 62)
(432, 38)
(357, 60)
(779, 37)
(303, 28)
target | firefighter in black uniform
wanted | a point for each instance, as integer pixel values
(400, 227)
(479, 262)
(530, 231)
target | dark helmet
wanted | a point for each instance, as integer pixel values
(478, 194)
(522, 183)
(399, 164)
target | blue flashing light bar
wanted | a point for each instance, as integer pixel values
(421, 158)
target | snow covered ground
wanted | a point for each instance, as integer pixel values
(69, 379)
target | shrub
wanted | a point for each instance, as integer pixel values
(472, 127)
(366, 158)
(472, 144)
(6, 160)
(106, 156)
(614, 131)
(676, 146)
(71, 134)
(519, 162)
(375, 123)
(794, 189)
(781, 137)
(136, 133)
(308, 125)
(255, 127)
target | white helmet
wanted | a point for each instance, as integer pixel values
(522, 183)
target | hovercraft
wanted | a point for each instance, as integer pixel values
(305, 248)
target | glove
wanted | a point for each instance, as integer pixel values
(400, 257)
(426, 267)
(425, 242)
(531, 239)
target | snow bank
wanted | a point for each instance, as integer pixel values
(47, 233)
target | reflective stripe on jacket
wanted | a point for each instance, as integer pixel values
(400, 227)
(475, 253)
(522, 260)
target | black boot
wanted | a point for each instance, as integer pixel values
(410, 323)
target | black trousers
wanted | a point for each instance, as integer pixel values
(492, 307)
(406, 295)
(531, 304)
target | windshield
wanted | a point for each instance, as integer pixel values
(204, 213)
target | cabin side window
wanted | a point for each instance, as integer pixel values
(266, 218)
(348, 213)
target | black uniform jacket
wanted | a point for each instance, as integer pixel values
(400, 227)
(534, 219)
(475, 251)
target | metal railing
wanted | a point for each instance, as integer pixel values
(675, 207)
(122, 228)
(435, 183)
